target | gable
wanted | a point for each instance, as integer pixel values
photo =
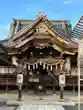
(42, 31)
(18, 25)
(62, 25)
(49, 29)
(40, 28)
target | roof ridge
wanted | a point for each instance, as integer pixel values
(59, 32)
(24, 28)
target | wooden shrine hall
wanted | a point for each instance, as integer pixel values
(40, 46)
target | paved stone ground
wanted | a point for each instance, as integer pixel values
(7, 108)
(69, 102)
(29, 97)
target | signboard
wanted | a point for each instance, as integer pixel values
(62, 80)
(19, 79)
(33, 79)
(5, 70)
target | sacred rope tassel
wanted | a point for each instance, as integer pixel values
(40, 62)
(51, 67)
(61, 66)
(28, 67)
(44, 66)
(56, 66)
(36, 65)
(33, 66)
(47, 67)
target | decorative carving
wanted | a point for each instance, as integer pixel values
(41, 30)
(41, 14)
(14, 60)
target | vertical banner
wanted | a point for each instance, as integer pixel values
(80, 65)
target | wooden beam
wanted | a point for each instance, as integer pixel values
(58, 48)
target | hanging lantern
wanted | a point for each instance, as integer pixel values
(51, 68)
(28, 67)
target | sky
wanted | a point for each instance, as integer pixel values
(28, 9)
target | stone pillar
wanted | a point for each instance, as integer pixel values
(68, 64)
(14, 60)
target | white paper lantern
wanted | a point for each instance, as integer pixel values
(62, 80)
(20, 79)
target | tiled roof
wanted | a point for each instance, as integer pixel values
(78, 29)
(53, 23)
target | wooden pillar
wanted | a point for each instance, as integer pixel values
(61, 92)
(19, 93)
(73, 86)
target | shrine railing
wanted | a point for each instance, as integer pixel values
(74, 71)
(7, 81)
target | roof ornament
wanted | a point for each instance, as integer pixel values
(41, 14)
